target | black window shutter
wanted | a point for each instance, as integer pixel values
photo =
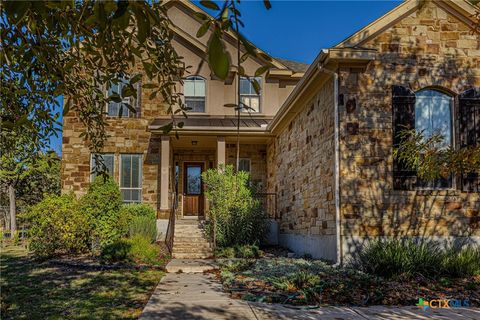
(403, 105)
(469, 112)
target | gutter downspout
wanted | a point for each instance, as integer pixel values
(338, 225)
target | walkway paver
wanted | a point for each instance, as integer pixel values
(200, 296)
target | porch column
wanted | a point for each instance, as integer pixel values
(164, 172)
(220, 151)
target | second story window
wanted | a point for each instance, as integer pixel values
(119, 108)
(194, 92)
(248, 95)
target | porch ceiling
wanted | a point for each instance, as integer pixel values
(196, 142)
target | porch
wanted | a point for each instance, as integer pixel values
(204, 143)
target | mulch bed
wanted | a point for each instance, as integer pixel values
(342, 287)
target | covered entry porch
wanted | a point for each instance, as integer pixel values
(195, 148)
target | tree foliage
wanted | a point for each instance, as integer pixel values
(431, 160)
(78, 49)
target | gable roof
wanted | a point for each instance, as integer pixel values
(351, 49)
(461, 9)
(294, 65)
(279, 64)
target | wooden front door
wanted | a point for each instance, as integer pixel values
(193, 189)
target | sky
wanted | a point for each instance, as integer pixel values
(298, 30)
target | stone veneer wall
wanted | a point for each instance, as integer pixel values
(127, 135)
(301, 173)
(257, 153)
(427, 48)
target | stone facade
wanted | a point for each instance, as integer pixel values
(257, 154)
(428, 48)
(125, 136)
(301, 173)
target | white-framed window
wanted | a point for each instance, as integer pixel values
(244, 164)
(434, 116)
(248, 95)
(131, 177)
(120, 109)
(194, 93)
(108, 160)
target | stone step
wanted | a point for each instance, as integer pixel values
(199, 245)
(192, 255)
(189, 239)
(190, 265)
(206, 253)
(188, 227)
(187, 222)
(193, 250)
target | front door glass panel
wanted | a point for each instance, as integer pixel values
(194, 180)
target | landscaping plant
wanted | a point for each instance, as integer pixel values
(137, 218)
(408, 258)
(235, 216)
(57, 226)
(101, 204)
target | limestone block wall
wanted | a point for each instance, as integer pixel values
(429, 48)
(301, 173)
(257, 153)
(125, 135)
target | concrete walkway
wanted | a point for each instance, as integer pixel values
(200, 296)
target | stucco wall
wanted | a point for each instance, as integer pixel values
(427, 48)
(301, 173)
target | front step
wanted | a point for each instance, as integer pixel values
(189, 241)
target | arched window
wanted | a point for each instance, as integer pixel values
(194, 92)
(429, 112)
(433, 115)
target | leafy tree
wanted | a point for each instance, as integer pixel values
(78, 49)
(26, 174)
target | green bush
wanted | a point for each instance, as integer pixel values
(143, 251)
(239, 251)
(101, 204)
(236, 217)
(143, 226)
(138, 250)
(464, 262)
(389, 258)
(57, 226)
(408, 258)
(117, 251)
(138, 219)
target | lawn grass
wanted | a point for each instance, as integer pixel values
(40, 290)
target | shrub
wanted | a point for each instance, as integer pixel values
(400, 257)
(117, 251)
(57, 226)
(137, 249)
(236, 217)
(464, 262)
(101, 204)
(143, 226)
(143, 251)
(137, 218)
(239, 251)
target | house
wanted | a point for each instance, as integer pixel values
(322, 142)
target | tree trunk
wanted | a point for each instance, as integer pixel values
(13, 210)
